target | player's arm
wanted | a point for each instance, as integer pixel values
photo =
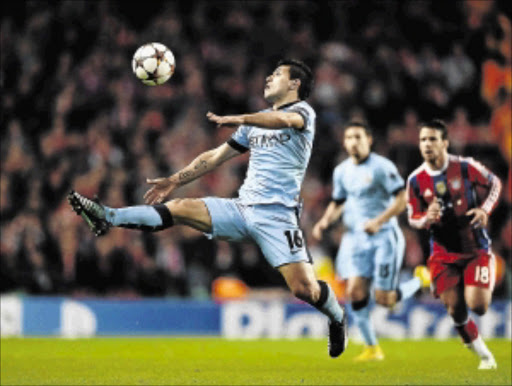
(394, 209)
(418, 214)
(332, 213)
(162, 187)
(267, 120)
(480, 175)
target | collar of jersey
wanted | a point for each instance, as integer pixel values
(432, 172)
(363, 161)
(288, 104)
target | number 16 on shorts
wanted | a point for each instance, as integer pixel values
(295, 239)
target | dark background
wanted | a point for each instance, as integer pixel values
(74, 115)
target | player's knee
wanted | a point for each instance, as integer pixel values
(385, 299)
(307, 292)
(357, 294)
(360, 304)
(182, 208)
(177, 205)
(479, 308)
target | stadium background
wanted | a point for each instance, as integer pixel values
(74, 116)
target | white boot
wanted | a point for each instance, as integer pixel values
(487, 361)
(488, 364)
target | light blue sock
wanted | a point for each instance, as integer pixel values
(137, 216)
(362, 320)
(408, 288)
(330, 306)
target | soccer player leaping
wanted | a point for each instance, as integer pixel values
(370, 193)
(442, 198)
(280, 140)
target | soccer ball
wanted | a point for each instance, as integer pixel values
(153, 64)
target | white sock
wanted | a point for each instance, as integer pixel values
(480, 348)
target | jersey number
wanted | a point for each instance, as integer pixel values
(294, 239)
(384, 270)
(482, 274)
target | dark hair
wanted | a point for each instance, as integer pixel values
(436, 124)
(299, 70)
(360, 125)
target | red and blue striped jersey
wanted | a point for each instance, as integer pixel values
(454, 186)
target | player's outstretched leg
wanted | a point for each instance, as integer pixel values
(478, 300)
(457, 308)
(358, 293)
(327, 304)
(91, 211)
(468, 331)
(301, 280)
(361, 314)
(407, 289)
(338, 336)
(100, 218)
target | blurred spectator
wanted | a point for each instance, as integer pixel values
(461, 130)
(74, 116)
(458, 70)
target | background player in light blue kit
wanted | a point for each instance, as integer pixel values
(280, 140)
(370, 193)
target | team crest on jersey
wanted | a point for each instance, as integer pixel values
(456, 183)
(368, 178)
(441, 187)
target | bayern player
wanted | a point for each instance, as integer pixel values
(442, 198)
(280, 140)
(370, 193)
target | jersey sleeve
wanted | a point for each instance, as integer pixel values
(306, 112)
(339, 194)
(390, 179)
(478, 174)
(240, 139)
(416, 210)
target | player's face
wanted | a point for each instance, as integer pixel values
(432, 145)
(357, 142)
(277, 84)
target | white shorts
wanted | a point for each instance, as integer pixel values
(273, 227)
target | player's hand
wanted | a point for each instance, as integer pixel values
(372, 226)
(319, 229)
(226, 120)
(480, 218)
(161, 189)
(434, 212)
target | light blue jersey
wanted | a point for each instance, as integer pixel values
(367, 188)
(278, 159)
(266, 211)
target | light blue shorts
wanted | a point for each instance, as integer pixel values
(273, 227)
(377, 257)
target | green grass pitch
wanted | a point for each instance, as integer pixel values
(216, 361)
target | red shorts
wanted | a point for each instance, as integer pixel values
(447, 269)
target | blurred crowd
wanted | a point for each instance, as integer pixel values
(75, 117)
